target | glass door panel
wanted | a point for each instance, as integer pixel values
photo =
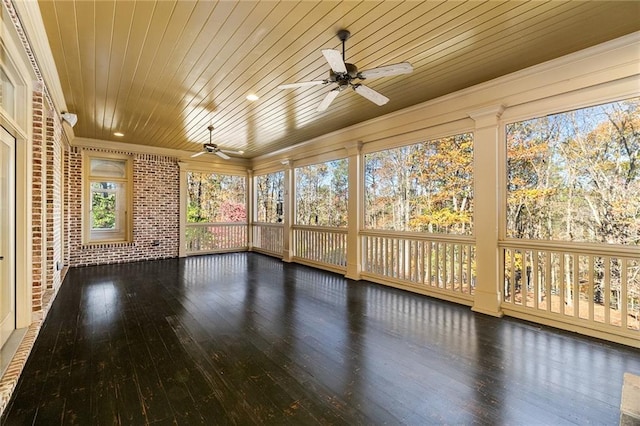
(7, 236)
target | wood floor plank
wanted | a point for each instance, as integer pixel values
(247, 339)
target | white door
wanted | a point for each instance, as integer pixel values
(7, 235)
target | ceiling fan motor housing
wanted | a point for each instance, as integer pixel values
(210, 147)
(340, 78)
(343, 73)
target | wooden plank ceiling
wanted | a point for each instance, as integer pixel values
(161, 71)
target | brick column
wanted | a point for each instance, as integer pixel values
(38, 198)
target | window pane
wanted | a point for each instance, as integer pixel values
(322, 194)
(7, 94)
(575, 176)
(104, 185)
(108, 168)
(216, 198)
(270, 197)
(105, 205)
(426, 187)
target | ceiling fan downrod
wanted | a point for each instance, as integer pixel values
(210, 128)
(343, 35)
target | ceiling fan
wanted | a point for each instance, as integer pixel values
(343, 74)
(213, 149)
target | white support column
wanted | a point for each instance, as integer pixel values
(182, 247)
(354, 207)
(251, 197)
(486, 209)
(289, 207)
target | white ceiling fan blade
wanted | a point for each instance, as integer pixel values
(302, 84)
(229, 151)
(197, 154)
(371, 94)
(222, 155)
(327, 100)
(387, 70)
(335, 60)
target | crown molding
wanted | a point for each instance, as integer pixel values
(31, 19)
(184, 156)
(125, 147)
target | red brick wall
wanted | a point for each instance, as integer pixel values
(155, 213)
(46, 198)
(66, 195)
(54, 197)
(37, 198)
(74, 194)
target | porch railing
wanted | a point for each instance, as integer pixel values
(589, 286)
(203, 238)
(322, 246)
(431, 263)
(267, 237)
(593, 286)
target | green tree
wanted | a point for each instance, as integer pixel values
(270, 197)
(322, 194)
(422, 187)
(209, 192)
(103, 205)
(575, 176)
(103, 210)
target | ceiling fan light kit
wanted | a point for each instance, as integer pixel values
(343, 74)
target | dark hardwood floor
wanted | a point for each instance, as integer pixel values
(246, 339)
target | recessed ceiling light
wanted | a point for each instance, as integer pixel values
(252, 97)
(118, 134)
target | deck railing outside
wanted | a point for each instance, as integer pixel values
(597, 287)
(203, 238)
(321, 245)
(267, 237)
(425, 261)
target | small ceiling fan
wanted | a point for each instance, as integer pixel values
(343, 74)
(213, 149)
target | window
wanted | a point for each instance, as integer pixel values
(575, 176)
(426, 187)
(108, 199)
(322, 194)
(216, 198)
(270, 197)
(7, 94)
